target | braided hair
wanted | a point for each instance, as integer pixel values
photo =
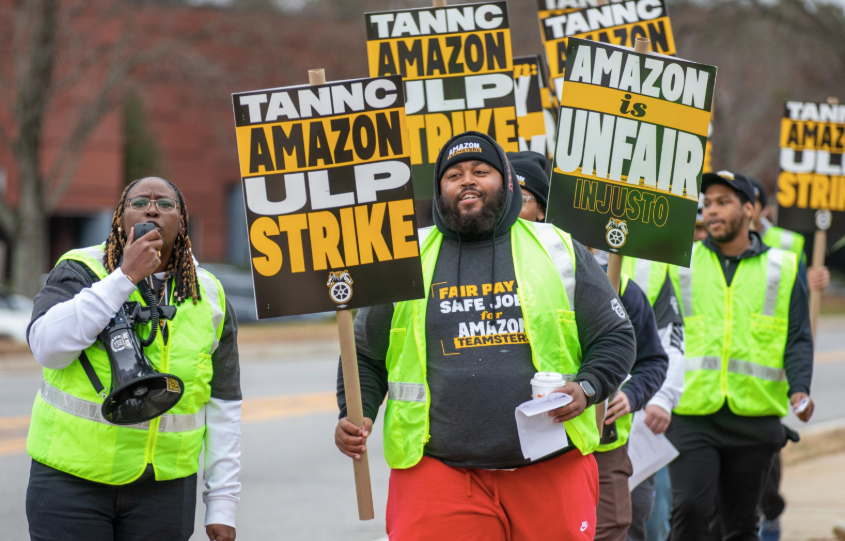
(181, 265)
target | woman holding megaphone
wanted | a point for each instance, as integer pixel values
(168, 376)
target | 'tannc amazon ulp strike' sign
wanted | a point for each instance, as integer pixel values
(812, 178)
(458, 68)
(536, 108)
(618, 23)
(329, 199)
(630, 150)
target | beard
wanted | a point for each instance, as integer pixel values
(473, 224)
(732, 228)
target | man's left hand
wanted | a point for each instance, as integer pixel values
(796, 399)
(574, 408)
(220, 532)
(619, 407)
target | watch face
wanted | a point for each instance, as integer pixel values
(588, 389)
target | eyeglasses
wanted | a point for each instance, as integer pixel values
(527, 199)
(141, 204)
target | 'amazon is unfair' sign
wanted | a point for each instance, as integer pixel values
(812, 177)
(630, 150)
(458, 69)
(329, 199)
(618, 23)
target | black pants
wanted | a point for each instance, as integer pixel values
(64, 507)
(705, 478)
(772, 504)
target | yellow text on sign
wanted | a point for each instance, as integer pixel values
(811, 190)
(359, 230)
(322, 143)
(438, 128)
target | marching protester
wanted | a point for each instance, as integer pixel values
(749, 356)
(505, 298)
(772, 503)
(614, 511)
(92, 480)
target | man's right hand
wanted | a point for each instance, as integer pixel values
(350, 439)
(657, 419)
(141, 258)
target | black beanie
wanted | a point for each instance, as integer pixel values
(530, 170)
(467, 148)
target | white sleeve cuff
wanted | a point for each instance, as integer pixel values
(220, 512)
(662, 403)
(116, 289)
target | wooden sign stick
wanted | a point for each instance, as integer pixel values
(819, 250)
(351, 383)
(438, 3)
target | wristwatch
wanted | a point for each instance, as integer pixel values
(588, 389)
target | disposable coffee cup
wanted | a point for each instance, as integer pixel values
(545, 382)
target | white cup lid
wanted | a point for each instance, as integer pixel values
(547, 377)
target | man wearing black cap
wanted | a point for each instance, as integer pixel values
(530, 168)
(749, 358)
(505, 299)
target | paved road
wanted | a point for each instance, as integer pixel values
(296, 484)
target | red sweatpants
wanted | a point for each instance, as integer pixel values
(552, 500)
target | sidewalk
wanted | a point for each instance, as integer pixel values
(815, 497)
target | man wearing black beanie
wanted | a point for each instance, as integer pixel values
(505, 299)
(530, 170)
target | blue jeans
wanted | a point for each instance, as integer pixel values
(657, 527)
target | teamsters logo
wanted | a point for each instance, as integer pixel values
(340, 287)
(462, 148)
(617, 233)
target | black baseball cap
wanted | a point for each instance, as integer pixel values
(760, 191)
(740, 184)
(530, 170)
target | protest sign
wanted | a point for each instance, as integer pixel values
(630, 150)
(458, 70)
(812, 176)
(617, 23)
(329, 198)
(811, 183)
(536, 107)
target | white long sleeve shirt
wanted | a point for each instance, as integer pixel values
(669, 395)
(66, 329)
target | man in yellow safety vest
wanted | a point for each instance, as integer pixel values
(505, 298)
(749, 356)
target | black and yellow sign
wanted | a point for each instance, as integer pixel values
(326, 174)
(812, 171)
(630, 150)
(536, 107)
(617, 23)
(458, 69)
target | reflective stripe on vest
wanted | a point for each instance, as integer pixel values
(406, 392)
(214, 300)
(787, 239)
(736, 366)
(685, 284)
(557, 250)
(642, 273)
(85, 409)
(773, 273)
